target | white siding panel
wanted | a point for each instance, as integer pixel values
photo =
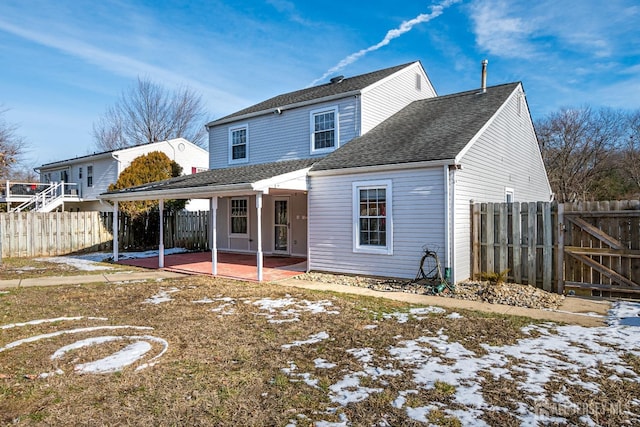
(386, 99)
(418, 220)
(286, 136)
(505, 155)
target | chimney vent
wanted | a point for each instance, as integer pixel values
(483, 83)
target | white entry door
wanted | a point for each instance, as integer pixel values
(281, 225)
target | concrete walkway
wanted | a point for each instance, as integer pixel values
(574, 310)
(88, 278)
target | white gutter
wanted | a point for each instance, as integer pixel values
(281, 108)
(181, 193)
(74, 160)
(383, 168)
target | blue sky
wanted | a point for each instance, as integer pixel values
(64, 62)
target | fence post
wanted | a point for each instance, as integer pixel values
(516, 224)
(532, 222)
(547, 249)
(560, 254)
(503, 237)
(489, 218)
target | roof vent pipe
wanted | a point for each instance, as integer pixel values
(483, 83)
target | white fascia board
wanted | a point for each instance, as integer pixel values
(489, 122)
(182, 193)
(383, 168)
(68, 162)
(283, 108)
(288, 181)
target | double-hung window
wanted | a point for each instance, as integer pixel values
(372, 219)
(239, 216)
(324, 130)
(239, 144)
(89, 176)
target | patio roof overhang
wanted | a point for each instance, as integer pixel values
(248, 180)
(193, 187)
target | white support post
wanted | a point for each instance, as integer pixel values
(161, 245)
(115, 231)
(259, 218)
(213, 209)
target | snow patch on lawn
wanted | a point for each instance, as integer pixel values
(164, 295)
(134, 352)
(550, 351)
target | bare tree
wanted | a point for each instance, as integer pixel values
(11, 147)
(576, 146)
(147, 112)
(631, 153)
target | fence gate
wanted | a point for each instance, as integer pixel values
(600, 246)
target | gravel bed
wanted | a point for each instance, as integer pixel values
(504, 293)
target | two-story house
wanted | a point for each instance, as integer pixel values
(360, 173)
(76, 183)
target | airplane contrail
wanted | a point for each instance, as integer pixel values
(406, 26)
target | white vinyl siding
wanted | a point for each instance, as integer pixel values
(383, 100)
(277, 137)
(418, 220)
(239, 144)
(505, 156)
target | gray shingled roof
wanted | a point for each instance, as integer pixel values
(316, 92)
(221, 177)
(430, 129)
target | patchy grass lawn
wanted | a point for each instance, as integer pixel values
(26, 268)
(204, 351)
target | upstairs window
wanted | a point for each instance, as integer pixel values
(324, 130)
(89, 176)
(239, 144)
(80, 172)
(372, 217)
(239, 216)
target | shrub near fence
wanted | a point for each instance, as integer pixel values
(30, 234)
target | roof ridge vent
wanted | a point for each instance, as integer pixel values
(336, 79)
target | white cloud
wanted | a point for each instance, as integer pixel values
(405, 27)
(500, 33)
(119, 64)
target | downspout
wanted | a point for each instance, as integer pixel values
(452, 191)
(447, 219)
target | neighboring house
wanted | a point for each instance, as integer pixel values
(361, 173)
(88, 176)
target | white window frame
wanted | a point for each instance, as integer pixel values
(90, 176)
(231, 216)
(509, 192)
(245, 159)
(366, 185)
(336, 127)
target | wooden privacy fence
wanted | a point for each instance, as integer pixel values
(29, 234)
(589, 245)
